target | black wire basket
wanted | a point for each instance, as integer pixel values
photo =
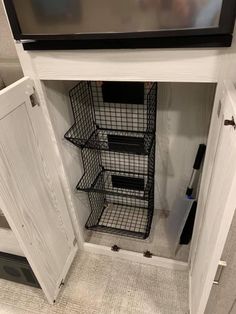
(118, 173)
(114, 125)
(114, 116)
(121, 215)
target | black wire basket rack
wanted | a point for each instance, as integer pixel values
(114, 125)
(114, 116)
(121, 215)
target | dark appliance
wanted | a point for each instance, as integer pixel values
(17, 269)
(83, 24)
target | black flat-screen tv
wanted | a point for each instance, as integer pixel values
(67, 24)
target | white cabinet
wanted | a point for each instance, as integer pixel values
(39, 170)
(220, 205)
(31, 196)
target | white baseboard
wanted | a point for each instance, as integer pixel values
(136, 257)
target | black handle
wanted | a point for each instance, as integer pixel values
(189, 192)
(200, 155)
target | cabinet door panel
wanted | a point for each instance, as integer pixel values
(219, 209)
(31, 196)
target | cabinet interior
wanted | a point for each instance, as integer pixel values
(9, 243)
(182, 120)
(3, 221)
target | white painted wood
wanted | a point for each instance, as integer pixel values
(136, 257)
(173, 65)
(227, 72)
(54, 153)
(219, 210)
(214, 71)
(9, 243)
(31, 197)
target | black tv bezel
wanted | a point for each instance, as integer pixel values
(205, 37)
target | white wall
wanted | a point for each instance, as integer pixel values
(183, 118)
(7, 48)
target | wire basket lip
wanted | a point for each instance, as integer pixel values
(93, 142)
(120, 232)
(142, 194)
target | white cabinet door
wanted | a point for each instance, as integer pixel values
(219, 209)
(31, 195)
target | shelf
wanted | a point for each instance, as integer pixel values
(120, 216)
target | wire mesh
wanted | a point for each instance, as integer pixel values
(120, 215)
(117, 173)
(110, 125)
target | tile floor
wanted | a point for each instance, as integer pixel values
(104, 285)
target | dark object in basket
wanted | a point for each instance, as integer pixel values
(123, 92)
(123, 174)
(130, 144)
(128, 183)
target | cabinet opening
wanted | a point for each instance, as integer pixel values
(131, 147)
(3, 221)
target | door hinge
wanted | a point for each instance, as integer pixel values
(34, 100)
(147, 254)
(230, 123)
(61, 284)
(115, 248)
(221, 266)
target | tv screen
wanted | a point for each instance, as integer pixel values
(115, 16)
(120, 19)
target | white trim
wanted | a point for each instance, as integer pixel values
(29, 70)
(136, 257)
(163, 65)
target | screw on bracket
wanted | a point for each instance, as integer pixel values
(115, 248)
(147, 254)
